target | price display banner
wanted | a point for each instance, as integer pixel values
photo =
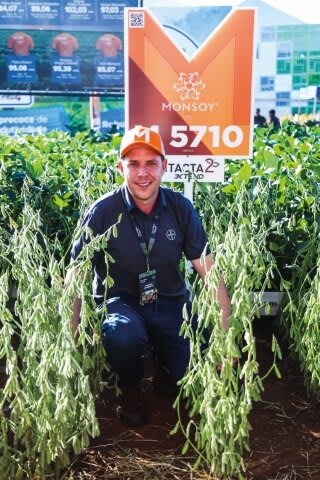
(78, 12)
(202, 106)
(12, 11)
(37, 11)
(69, 46)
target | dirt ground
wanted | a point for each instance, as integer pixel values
(284, 441)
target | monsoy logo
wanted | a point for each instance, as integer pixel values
(189, 87)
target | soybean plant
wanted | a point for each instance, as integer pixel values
(52, 379)
(223, 379)
(300, 318)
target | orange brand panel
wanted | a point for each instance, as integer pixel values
(202, 105)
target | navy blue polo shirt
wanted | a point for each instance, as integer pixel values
(179, 230)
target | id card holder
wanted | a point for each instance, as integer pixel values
(147, 287)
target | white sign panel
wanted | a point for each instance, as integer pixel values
(203, 168)
(16, 100)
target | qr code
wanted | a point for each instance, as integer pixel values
(136, 19)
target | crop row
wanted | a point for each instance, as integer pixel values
(263, 227)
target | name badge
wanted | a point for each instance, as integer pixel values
(147, 287)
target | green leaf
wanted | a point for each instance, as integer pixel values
(304, 147)
(309, 200)
(230, 188)
(67, 195)
(29, 168)
(37, 168)
(282, 184)
(274, 247)
(6, 149)
(244, 173)
(101, 177)
(58, 201)
(270, 159)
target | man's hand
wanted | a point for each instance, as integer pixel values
(203, 266)
(76, 317)
(76, 306)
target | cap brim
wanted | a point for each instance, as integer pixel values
(139, 144)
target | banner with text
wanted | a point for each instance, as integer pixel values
(201, 105)
(34, 121)
(68, 46)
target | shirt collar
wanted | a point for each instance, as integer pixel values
(129, 202)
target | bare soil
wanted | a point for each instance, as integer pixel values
(284, 441)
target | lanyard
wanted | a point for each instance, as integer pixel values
(144, 247)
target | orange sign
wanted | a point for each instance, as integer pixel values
(201, 105)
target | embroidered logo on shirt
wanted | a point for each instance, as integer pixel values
(171, 234)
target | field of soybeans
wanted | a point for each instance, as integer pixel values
(263, 224)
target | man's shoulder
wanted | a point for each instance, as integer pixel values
(176, 200)
(103, 206)
(107, 200)
(173, 194)
(104, 211)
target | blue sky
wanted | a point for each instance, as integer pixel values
(306, 10)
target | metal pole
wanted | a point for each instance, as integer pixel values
(188, 190)
(188, 193)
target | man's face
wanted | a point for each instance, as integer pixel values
(142, 169)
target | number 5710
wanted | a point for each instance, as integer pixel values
(231, 136)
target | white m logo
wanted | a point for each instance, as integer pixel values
(143, 133)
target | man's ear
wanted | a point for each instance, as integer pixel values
(164, 164)
(120, 166)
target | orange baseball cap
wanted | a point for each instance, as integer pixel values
(141, 137)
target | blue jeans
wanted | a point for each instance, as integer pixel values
(129, 327)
